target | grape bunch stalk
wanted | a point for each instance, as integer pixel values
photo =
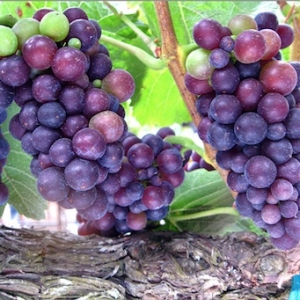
(72, 123)
(248, 99)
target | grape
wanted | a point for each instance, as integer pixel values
(279, 151)
(55, 25)
(51, 184)
(243, 206)
(111, 184)
(23, 93)
(120, 212)
(223, 158)
(153, 197)
(165, 131)
(106, 222)
(109, 124)
(44, 161)
(27, 144)
(61, 152)
(4, 148)
(120, 83)
(250, 128)
(73, 124)
(219, 58)
(238, 161)
(260, 171)
(46, 88)
(74, 13)
(157, 214)
(196, 86)
(276, 230)
(290, 170)
(6, 96)
(89, 144)
(85, 31)
(51, 115)
(256, 195)
(9, 41)
(292, 125)
(225, 109)
(225, 80)
(95, 101)
(221, 136)
(100, 66)
(288, 209)
(273, 43)
(285, 242)
(154, 141)
(251, 70)
(249, 93)
(41, 12)
(286, 34)
(82, 199)
(71, 98)
(292, 226)
(282, 189)
(134, 190)
(121, 198)
(127, 174)
(249, 46)
(276, 131)
(43, 137)
(4, 194)
(278, 77)
(97, 210)
(14, 71)
(207, 33)
(203, 103)
(271, 214)
(176, 179)
(296, 66)
(266, 20)
(140, 155)
(227, 43)
(240, 23)
(113, 155)
(237, 182)
(38, 51)
(69, 64)
(169, 161)
(197, 64)
(81, 174)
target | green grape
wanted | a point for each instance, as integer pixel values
(240, 23)
(55, 25)
(24, 29)
(75, 43)
(9, 41)
(197, 64)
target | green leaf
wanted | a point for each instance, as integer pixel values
(18, 178)
(201, 189)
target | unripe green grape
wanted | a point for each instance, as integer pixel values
(9, 41)
(75, 43)
(240, 23)
(24, 29)
(197, 64)
(55, 25)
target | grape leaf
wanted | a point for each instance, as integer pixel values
(18, 178)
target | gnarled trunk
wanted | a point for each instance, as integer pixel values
(147, 265)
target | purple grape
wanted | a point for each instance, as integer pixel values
(288, 209)
(256, 195)
(271, 214)
(136, 221)
(113, 155)
(250, 128)
(111, 184)
(219, 58)
(169, 161)
(27, 145)
(74, 13)
(105, 223)
(43, 137)
(237, 182)
(89, 144)
(51, 114)
(276, 131)
(81, 174)
(73, 124)
(290, 170)
(153, 197)
(51, 184)
(82, 199)
(286, 34)
(285, 242)
(28, 115)
(71, 98)
(100, 66)
(260, 171)
(225, 109)
(140, 155)
(61, 152)
(266, 20)
(203, 103)
(243, 206)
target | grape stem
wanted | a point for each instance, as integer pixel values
(149, 42)
(202, 214)
(143, 56)
(175, 56)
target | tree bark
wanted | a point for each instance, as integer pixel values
(147, 265)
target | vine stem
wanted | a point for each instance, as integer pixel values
(174, 54)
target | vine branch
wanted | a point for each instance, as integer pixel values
(174, 54)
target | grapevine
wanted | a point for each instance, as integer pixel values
(241, 96)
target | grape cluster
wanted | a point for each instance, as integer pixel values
(248, 99)
(72, 122)
(194, 161)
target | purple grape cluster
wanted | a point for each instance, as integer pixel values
(72, 123)
(248, 100)
(6, 98)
